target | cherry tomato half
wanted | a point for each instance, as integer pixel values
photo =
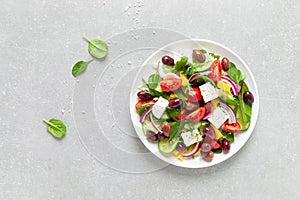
(170, 84)
(216, 71)
(194, 95)
(231, 128)
(196, 115)
(143, 102)
(182, 115)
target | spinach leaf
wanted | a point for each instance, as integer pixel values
(180, 94)
(203, 51)
(142, 108)
(180, 65)
(80, 66)
(228, 136)
(201, 67)
(215, 56)
(175, 129)
(218, 151)
(56, 127)
(173, 112)
(153, 81)
(235, 74)
(97, 47)
(244, 110)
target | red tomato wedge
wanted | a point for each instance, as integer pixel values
(170, 84)
(143, 102)
(196, 115)
(216, 71)
(194, 95)
(182, 115)
(231, 128)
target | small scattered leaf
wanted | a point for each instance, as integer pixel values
(80, 67)
(56, 127)
(97, 47)
(215, 56)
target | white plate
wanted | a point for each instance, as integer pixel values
(185, 47)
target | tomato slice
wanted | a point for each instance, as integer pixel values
(170, 84)
(213, 143)
(194, 95)
(231, 128)
(216, 71)
(143, 102)
(182, 115)
(196, 115)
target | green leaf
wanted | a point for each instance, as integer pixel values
(180, 94)
(215, 56)
(142, 108)
(173, 112)
(244, 110)
(153, 81)
(228, 136)
(175, 129)
(218, 151)
(97, 47)
(56, 127)
(180, 65)
(203, 51)
(227, 97)
(80, 66)
(235, 74)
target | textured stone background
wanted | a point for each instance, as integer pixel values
(41, 40)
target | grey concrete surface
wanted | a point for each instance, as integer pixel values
(41, 40)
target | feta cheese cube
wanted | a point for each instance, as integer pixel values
(208, 92)
(160, 107)
(190, 138)
(218, 117)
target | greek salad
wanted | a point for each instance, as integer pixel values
(194, 107)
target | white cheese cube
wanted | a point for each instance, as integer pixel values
(218, 117)
(190, 138)
(208, 92)
(160, 107)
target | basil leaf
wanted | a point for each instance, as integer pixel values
(180, 65)
(173, 112)
(175, 129)
(215, 56)
(244, 110)
(153, 81)
(235, 74)
(56, 127)
(97, 47)
(80, 67)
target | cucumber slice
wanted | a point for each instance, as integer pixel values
(166, 146)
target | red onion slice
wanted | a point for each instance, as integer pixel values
(197, 147)
(154, 125)
(145, 113)
(233, 85)
(228, 110)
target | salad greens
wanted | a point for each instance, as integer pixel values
(179, 65)
(56, 127)
(244, 110)
(80, 66)
(235, 74)
(195, 106)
